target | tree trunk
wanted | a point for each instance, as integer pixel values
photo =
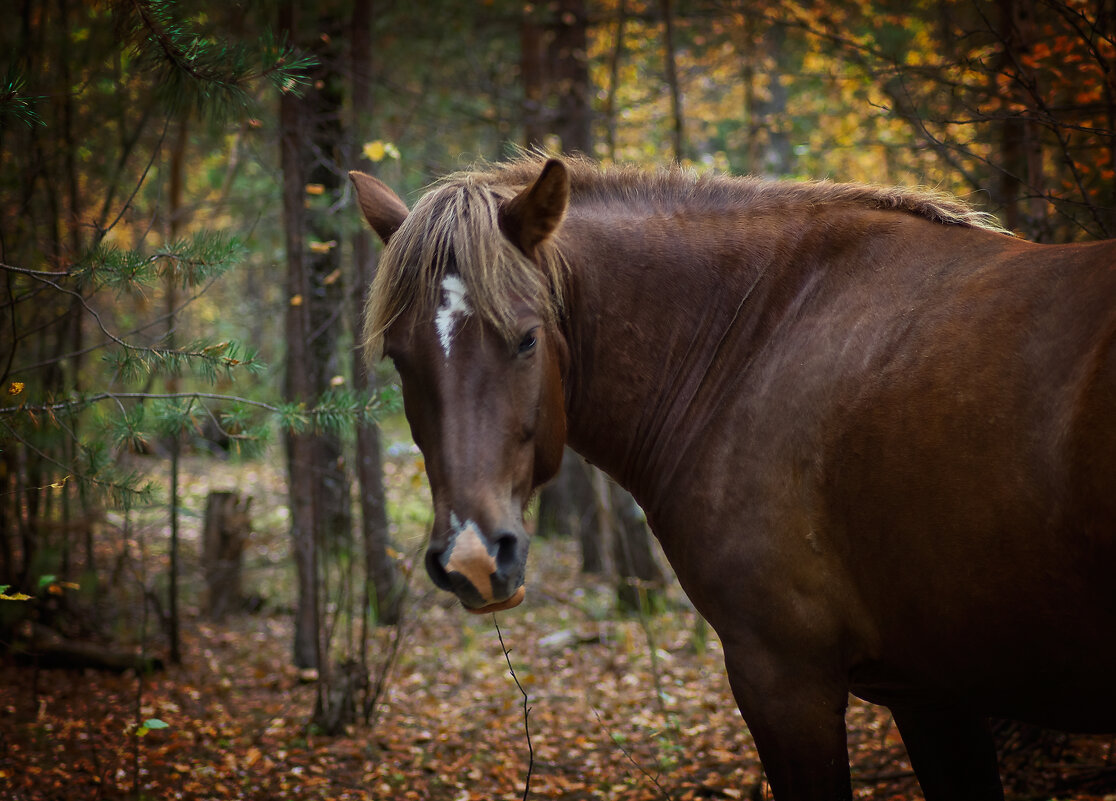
(568, 506)
(574, 123)
(175, 213)
(228, 526)
(772, 154)
(671, 70)
(300, 451)
(640, 578)
(534, 82)
(382, 585)
(326, 299)
(614, 79)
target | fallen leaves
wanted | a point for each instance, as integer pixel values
(450, 725)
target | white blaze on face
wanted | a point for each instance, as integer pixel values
(455, 303)
(470, 557)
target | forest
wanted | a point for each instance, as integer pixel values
(212, 515)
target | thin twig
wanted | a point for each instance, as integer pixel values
(526, 710)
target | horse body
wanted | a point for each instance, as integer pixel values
(877, 449)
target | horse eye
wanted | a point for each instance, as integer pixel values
(527, 344)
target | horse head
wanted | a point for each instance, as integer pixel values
(465, 303)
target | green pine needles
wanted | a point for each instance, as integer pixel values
(106, 344)
(193, 70)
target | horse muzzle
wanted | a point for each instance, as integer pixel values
(484, 572)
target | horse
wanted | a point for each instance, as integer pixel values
(874, 433)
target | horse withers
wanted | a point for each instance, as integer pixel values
(874, 433)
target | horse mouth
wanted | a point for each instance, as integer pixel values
(515, 600)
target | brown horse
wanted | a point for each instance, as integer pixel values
(875, 435)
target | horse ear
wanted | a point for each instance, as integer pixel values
(534, 214)
(383, 208)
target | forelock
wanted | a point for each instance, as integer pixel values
(455, 230)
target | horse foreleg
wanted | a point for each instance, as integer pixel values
(952, 754)
(798, 726)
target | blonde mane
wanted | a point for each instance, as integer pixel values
(455, 229)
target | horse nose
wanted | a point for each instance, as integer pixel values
(480, 570)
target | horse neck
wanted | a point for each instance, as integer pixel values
(663, 312)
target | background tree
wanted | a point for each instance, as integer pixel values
(86, 238)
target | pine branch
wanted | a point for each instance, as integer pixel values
(121, 490)
(15, 103)
(195, 71)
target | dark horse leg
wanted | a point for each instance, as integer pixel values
(799, 729)
(952, 754)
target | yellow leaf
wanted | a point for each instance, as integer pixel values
(15, 596)
(15, 387)
(296, 300)
(337, 381)
(315, 189)
(375, 151)
(323, 247)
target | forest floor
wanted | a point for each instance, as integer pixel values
(619, 707)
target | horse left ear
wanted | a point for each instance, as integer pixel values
(382, 207)
(534, 214)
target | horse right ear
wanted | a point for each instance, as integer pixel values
(534, 214)
(382, 207)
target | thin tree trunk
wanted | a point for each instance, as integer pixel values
(574, 123)
(614, 79)
(534, 82)
(329, 473)
(300, 459)
(671, 69)
(381, 578)
(175, 212)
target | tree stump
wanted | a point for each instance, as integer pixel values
(228, 525)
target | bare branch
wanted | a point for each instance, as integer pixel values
(526, 709)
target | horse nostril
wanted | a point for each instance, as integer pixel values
(507, 554)
(436, 570)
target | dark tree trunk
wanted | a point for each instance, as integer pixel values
(571, 67)
(382, 585)
(175, 212)
(298, 387)
(614, 79)
(671, 70)
(326, 300)
(531, 42)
